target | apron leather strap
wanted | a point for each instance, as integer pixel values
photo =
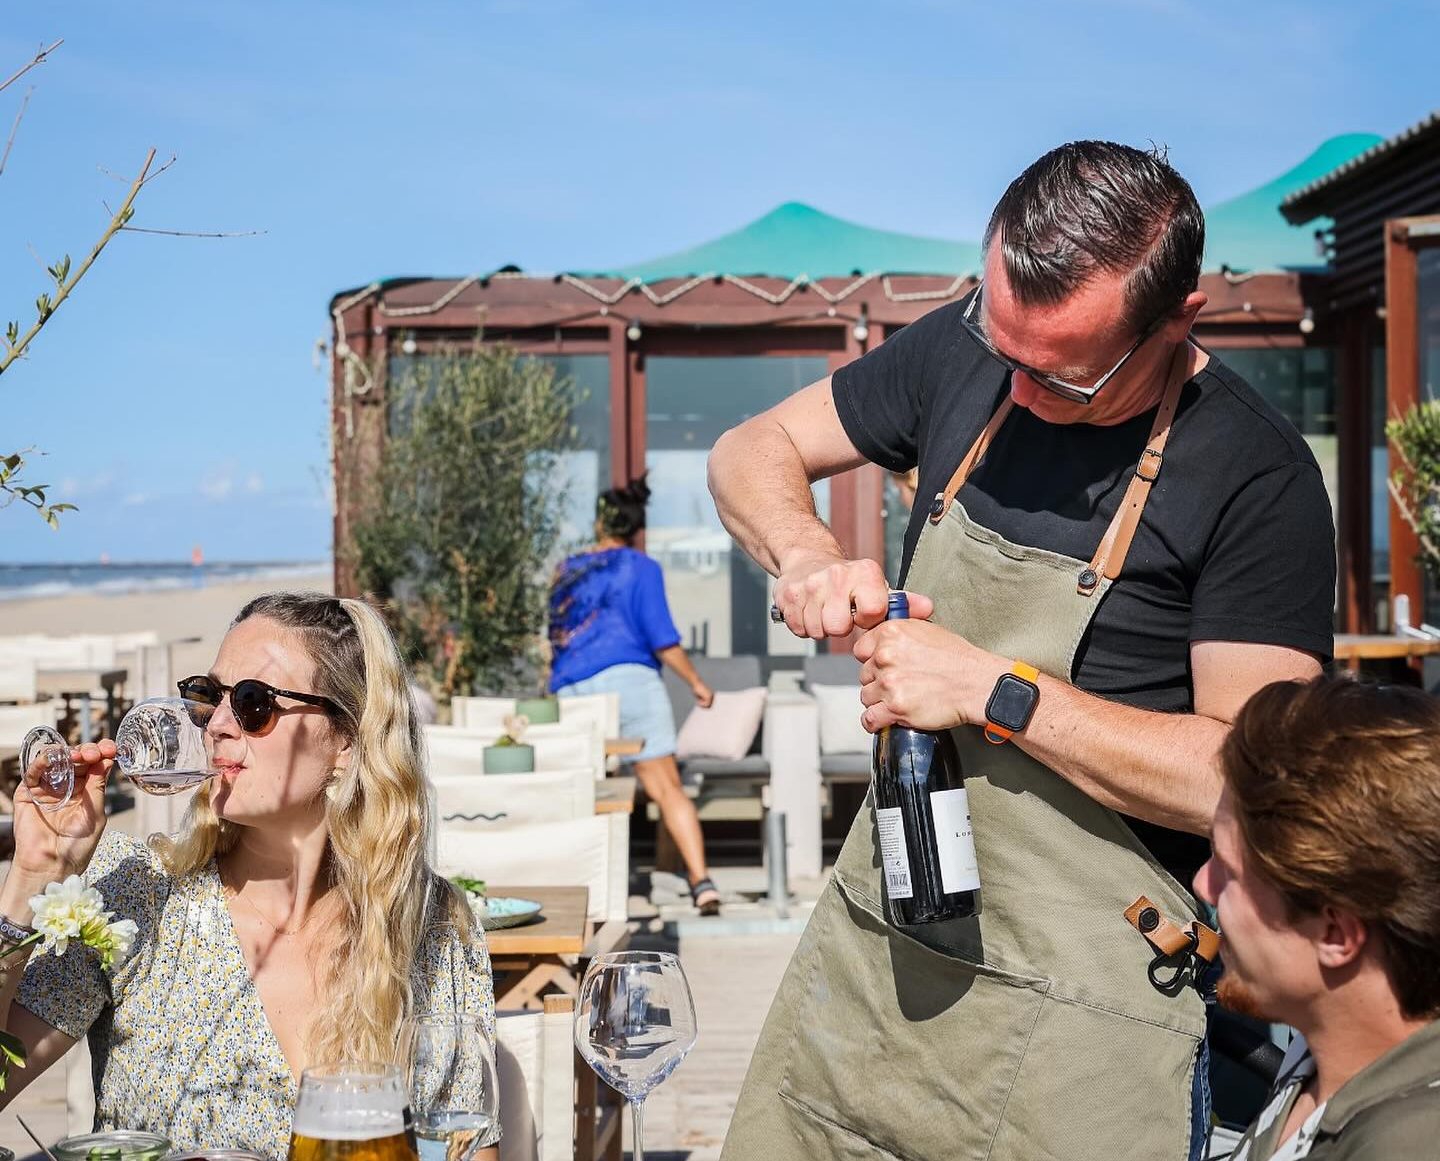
(1109, 557)
(1114, 546)
(941, 504)
(1171, 941)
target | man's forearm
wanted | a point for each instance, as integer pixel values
(763, 496)
(1163, 768)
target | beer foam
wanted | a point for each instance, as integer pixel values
(342, 1121)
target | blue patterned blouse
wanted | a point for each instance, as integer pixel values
(179, 1041)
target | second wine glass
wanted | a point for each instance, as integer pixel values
(161, 747)
(454, 1097)
(634, 1024)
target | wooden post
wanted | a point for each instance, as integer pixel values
(1402, 392)
(1353, 540)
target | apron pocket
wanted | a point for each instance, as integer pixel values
(900, 1046)
(1099, 1086)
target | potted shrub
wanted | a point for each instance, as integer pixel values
(509, 754)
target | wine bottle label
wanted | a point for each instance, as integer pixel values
(955, 841)
(894, 853)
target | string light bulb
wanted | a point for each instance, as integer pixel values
(1307, 321)
(861, 330)
(409, 346)
(634, 331)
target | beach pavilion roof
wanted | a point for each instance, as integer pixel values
(798, 264)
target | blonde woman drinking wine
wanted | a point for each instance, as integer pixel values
(293, 921)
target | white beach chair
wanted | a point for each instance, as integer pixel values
(535, 1063)
(590, 852)
(509, 800)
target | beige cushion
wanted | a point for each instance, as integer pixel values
(727, 729)
(840, 728)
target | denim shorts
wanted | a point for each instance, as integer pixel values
(644, 706)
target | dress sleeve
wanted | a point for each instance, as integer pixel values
(650, 608)
(70, 991)
(1269, 571)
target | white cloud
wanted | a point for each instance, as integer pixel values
(218, 484)
(254, 483)
(135, 498)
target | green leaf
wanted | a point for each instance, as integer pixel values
(42, 307)
(12, 333)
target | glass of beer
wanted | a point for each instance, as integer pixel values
(351, 1112)
(453, 1093)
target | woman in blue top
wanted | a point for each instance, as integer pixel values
(610, 631)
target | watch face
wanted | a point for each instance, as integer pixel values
(1012, 702)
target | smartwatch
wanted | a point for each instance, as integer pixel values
(1011, 703)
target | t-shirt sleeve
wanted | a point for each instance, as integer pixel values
(650, 608)
(69, 991)
(1269, 572)
(880, 396)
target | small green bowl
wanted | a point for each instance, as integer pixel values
(116, 1145)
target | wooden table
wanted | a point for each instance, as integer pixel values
(79, 683)
(615, 795)
(623, 747)
(1353, 647)
(1390, 656)
(533, 955)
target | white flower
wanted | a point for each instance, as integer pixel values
(71, 910)
(64, 910)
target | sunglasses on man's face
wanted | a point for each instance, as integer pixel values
(1074, 392)
(252, 701)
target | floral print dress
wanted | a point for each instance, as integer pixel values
(179, 1041)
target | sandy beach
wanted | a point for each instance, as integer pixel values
(173, 613)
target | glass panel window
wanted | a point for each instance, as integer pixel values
(587, 471)
(719, 597)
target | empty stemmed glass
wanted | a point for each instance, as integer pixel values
(161, 747)
(634, 1024)
(453, 1092)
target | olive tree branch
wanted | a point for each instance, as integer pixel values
(15, 343)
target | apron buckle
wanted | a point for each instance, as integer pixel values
(1148, 469)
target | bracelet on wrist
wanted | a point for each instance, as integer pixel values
(13, 933)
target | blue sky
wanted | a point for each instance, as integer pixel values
(175, 395)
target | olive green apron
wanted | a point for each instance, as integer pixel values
(1031, 1031)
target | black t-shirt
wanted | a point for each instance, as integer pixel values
(1236, 542)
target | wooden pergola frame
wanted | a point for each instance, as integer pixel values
(713, 318)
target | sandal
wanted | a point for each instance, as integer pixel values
(706, 890)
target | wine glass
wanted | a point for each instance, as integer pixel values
(453, 1094)
(351, 1112)
(161, 747)
(634, 1024)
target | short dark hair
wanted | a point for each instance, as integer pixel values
(1094, 206)
(621, 511)
(1336, 789)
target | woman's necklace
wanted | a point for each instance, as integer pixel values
(284, 933)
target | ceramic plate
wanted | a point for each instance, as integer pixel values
(503, 911)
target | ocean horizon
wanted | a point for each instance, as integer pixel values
(58, 579)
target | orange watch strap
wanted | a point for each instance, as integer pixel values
(995, 733)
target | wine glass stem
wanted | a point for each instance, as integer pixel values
(637, 1108)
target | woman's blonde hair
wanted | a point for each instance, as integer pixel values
(378, 821)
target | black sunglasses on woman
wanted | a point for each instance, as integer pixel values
(252, 701)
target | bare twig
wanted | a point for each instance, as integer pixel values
(31, 1133)
(117, 223)
(39, 59)
(194, 233)
(14, 129)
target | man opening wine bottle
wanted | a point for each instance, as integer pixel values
(1116, 541)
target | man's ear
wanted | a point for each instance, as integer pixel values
(1341, 938)
(1178, 325)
